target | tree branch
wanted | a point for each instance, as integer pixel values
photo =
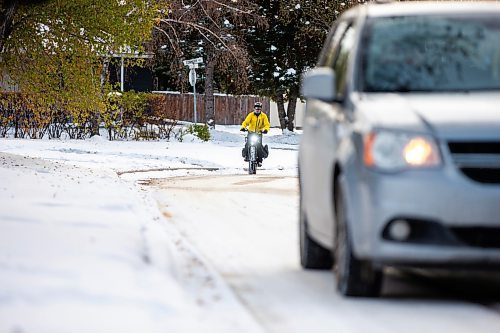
(233, 8)
(203, 31)
(171, 42)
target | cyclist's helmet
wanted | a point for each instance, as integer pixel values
(257, 107)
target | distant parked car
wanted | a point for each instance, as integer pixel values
(399, 161)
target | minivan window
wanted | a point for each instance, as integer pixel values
(431, 53)
(342, 59)
(331, 46)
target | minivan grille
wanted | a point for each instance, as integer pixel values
(489, 147)
(480, 161)
(478, 237)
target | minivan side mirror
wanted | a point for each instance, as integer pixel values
(319, 83)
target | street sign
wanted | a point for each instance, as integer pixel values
(192, 77)
(192, 61)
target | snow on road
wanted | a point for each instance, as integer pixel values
(247, 227)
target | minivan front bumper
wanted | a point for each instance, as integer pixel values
(460, 218)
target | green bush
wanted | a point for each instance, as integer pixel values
(201, 131)
(125, 114)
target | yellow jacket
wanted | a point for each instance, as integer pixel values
(256, 123)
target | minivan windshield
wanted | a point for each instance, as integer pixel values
(431, 53)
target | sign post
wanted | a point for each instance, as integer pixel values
(193, 64)
(192, 81)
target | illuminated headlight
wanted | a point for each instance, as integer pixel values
(394, 151)
(254, 139)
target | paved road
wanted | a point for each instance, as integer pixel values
(246, 226)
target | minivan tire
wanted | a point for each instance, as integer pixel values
(312, 255)
(354, 277)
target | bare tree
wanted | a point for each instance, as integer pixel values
(212, 29)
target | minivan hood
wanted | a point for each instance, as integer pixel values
(464, 115)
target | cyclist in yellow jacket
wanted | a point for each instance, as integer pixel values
(256, 121)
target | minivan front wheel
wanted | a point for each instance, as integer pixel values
(354, 277)
(312, 255)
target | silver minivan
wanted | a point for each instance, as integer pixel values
(399, 161)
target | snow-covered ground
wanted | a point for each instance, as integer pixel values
(84, 249)
(99, 236)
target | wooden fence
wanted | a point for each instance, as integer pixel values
(229, 109)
